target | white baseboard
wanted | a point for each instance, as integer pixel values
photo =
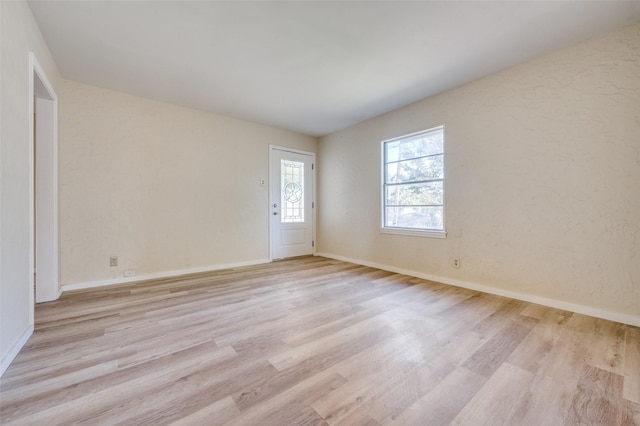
(164, 274)
(552, 303)
(8, 359)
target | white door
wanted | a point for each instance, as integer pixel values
(291, 203)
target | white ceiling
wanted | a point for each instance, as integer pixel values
(312, 67)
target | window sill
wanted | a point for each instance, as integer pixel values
(414, 232)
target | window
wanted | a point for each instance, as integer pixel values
(413, 184)
(292, 182)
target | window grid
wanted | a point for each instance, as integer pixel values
(413, 181)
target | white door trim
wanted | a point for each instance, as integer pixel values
(41, 92)
(273, 148)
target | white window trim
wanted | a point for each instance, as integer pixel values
(414, 232)
(429, 233)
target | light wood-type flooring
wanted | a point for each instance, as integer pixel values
(315, 341)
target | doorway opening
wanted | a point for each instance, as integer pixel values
(43, 188)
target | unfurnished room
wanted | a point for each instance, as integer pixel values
(284, 213)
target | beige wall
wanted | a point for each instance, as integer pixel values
(543, 181)
(162, 187)
(19, 35)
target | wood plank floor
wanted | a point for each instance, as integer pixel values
(314, 341)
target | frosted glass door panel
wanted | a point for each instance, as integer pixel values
(292, 191)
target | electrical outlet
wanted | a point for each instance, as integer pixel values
(113, 261)
(456, 262)
(262, 182)
(130, 273)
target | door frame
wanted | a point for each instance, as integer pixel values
(43, 97)
(273, 148)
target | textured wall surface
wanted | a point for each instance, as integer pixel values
(543, 180)
(19, 35)
(162, 187)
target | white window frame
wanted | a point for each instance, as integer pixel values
(431, 233)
